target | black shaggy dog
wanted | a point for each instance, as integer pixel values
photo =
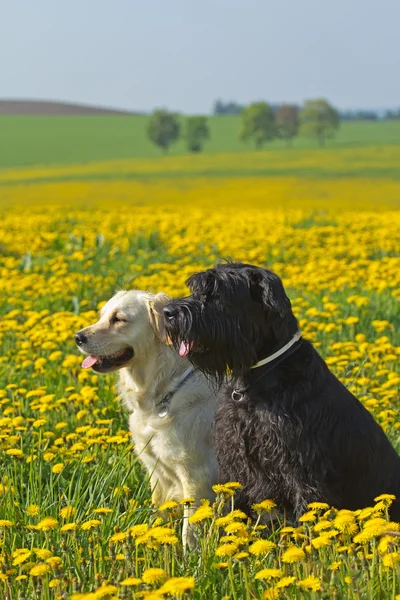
(286, 428)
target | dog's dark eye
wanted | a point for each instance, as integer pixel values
(118, 319)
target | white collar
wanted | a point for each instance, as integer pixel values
(282, 350)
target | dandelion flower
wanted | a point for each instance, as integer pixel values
(285, 582)
(391, 560)
(202, 513)
(32, 510)
(152, 576)
(226, 550)
(264, 506)
(91, 524)
(270, 594)
(57, 468)
(131, 581)
(40, 570)
(47, 524)
(5, 523)
(293, 555)
(168, 505)
(311, 583)
(261, 547)
(269, 574)
(177, 586)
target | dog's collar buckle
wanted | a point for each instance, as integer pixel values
(163, 407)
(237, 396)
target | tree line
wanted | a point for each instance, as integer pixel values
(259, 123)
(222, 108)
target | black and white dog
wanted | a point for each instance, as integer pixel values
(286, 428)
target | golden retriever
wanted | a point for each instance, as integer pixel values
(171, 405)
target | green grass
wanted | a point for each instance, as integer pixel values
(51, 140)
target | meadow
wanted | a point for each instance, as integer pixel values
(76, 520)
(32, 140)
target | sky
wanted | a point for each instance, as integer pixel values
(184, 54)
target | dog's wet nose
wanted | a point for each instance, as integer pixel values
(169, 312)
(80, 338)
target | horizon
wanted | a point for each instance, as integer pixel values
(380, 111)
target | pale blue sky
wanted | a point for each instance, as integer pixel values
(183, 54)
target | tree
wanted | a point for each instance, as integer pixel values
(163, 128)
(319, 119)
(227, 108)
(258, 124)
(287, 122)
(196, 133)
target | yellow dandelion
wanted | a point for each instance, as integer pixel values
(5, 523)
(391, 560)
(308, 516)
(103, 511)
(54, 561)
(40, 570)
(168, 505)
(33, 510)
(47, 524)
(201, 513)
(293, 555)
(240, 555)
(104, 591)
(177, 586)
(270, 594)
(285, 582)
(321, 525)
(219, 488)
(54, 583)
(15, 452)
(233, 485)
(335, 565)
(131, 581)
(261, 547)
(220, 566)
(67, 512)
(287, 530)
(91, 524)
(21, 558)
(57, 468)
(223, 521)
(269, 574)
(118, 537)
(311, 583)
(320, 542)
(42, 553)
(154, 575)
(264, 506)
(226, 550)
(138, 530)
(69, 527)
(388, 497)
(318, 506)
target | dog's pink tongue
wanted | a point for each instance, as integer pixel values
(89, 361)
(185, 348)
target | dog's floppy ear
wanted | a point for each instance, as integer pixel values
(203, 282)
(272, 292)
(156, 306)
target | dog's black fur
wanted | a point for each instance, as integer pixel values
(288, 430)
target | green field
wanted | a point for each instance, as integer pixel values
(54, 140)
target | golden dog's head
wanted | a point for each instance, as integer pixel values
(128, 326)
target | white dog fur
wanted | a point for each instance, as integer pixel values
(177, 448)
